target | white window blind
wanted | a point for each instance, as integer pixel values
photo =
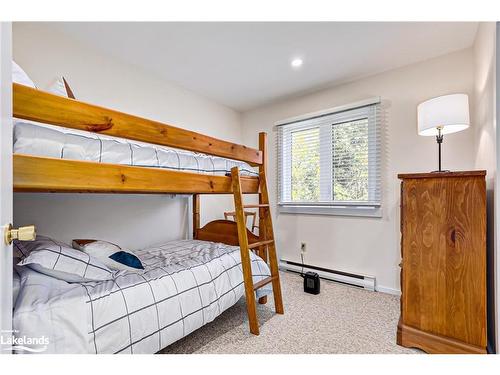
(330, 163)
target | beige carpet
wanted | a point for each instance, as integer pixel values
(341, 319)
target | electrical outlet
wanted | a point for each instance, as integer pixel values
(302, 247)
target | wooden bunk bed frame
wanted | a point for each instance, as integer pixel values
(43, 174)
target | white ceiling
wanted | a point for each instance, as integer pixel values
(245, 65)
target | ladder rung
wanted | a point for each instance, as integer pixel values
(263, 282)
(255, 205)
(259, 244)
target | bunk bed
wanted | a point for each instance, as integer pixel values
(35, 173)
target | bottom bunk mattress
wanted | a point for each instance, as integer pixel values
(184, 285)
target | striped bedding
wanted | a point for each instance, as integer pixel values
(57, 142)
(185, 285)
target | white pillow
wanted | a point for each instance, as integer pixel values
(61, 261)
(103, 251)
(20, 76)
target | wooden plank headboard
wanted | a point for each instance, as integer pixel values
(223, 231)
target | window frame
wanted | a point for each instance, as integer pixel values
(325, 121)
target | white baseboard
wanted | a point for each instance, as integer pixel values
(363, 281)
(368, 282)
(385, 289)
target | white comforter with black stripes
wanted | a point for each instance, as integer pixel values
(62, 143)
(185, 284)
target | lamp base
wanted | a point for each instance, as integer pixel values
(442, 171)
(439, 140)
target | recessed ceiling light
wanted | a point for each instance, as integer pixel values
(297, 63)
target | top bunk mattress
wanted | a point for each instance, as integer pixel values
(56, 142)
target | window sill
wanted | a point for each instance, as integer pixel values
(360, 211)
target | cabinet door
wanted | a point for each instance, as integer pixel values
(444, 257)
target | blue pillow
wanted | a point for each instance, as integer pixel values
(127, 259)
(109, 254)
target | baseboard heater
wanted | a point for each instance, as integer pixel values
(360, 281)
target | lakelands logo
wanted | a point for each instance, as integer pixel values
(12, 342)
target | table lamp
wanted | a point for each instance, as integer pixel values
(443, 115)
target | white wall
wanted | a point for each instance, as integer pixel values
(486, 151)
(131, 221)
(371, 245)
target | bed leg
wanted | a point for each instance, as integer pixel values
(196, 215)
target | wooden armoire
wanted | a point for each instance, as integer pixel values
(443, 268)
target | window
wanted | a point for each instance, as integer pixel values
(329, 163)
(305, 165)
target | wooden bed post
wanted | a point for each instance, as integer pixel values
(262, 252)
(196, 215)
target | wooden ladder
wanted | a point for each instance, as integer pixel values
(266, 242)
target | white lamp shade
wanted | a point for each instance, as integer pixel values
(448, 112)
